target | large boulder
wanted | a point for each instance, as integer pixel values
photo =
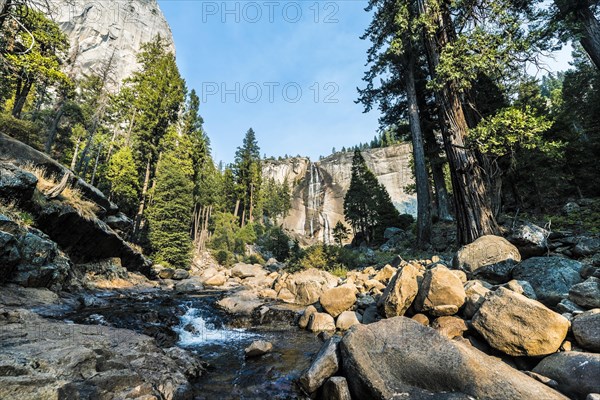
(577, 374)
(551, 277)
(258, 348)
(319, 322)
(400, 357)
(400, 292)
(490, 257)
(244, 271)
(336, 388)
(518, 326)
(586, 294)
(325, 364)
(16, 185)
(308, 285)
(441, 292)
(339, 299)
(586, 329)
(530, 239)
(586, 246)
(346, 320)
(475, 296)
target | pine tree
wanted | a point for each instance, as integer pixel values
(340, 233)
(248, 175)
(123, 179)
(169, 213)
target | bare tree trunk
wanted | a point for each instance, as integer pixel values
(96, 165)
(421, 176)
(250, 217)
(75, 153)
(140, 213)
(59, 112)
(23, 89)
(237, 208)
(471, 197)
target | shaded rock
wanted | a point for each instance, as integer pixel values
(587, 246)
(338, 299)
(475, 296)
(398, 356)
(586, 294)
(244, 271)
(321, 322)
(543, 379)
(240, 303)
(190, 285)
(180, 274)
(346, 320)
(325, 364)
(461, 275)
(336, 388)
(450, 326)
(166, 273)
(530, 239)
(586, 329)
(16, 185)
(400, 292)
(120, 223)
(370, 315)
(258, 348)
(576, 373)
(441, 292)
(489, 257)
(518, 326)
(305, 317)
(550, 277)
(567, 306)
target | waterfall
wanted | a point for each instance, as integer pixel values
(315, 191)
(326, 231)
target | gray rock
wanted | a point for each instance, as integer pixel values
(493, 252)
(191, 285)
(587, 246)
(519, 326)
(577, 373)
(550, 277)
(530, 239)
(336, 388)
(586, 294)
(521, 287)
(571, 208)
(586, 329)
(180, 274)
(567, 306)
(305, 317)
(400, 357)
(258, 348)
(325, 364)
(119, 222)
(16, 185)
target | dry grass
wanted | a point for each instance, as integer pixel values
(13, 212)
(73, 197)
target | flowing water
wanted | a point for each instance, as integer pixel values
(193, 322)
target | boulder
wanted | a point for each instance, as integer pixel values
(165, 273)
(325, 364)
(550, 277)
(586, 329)
(530, 239)
(321, 322)
(346, 320)
(450, 326)
(240, 303)
(180, 274)
(120, 223)
(244, 271)
(339, 299)
(400, 357)
(217, 279)
(385, 274)
(16, 185)
(475, 295)
(370, 314)
(336, 388)
(191, 285)
(305, 317)
(586, 294)
(577, 374)
(567, 306)
(521, 287)
(308, 285)
(489, 257)
(518, 326)
(441, 292)
(586, 246)
(400, 292)
(421, 318)
(258, 348)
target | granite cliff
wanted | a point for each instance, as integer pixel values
(318, 188)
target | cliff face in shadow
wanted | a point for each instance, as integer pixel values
(318, 188)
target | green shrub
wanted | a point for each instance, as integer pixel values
(25, 131)
(224, 257)
(255, 259)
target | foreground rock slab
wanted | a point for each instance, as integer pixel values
(518, 326)
(325, 364)
(577, 374)
(400, 358)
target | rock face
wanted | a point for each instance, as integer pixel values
(441, 292)
(318, 188)
(399, 358)
(518, 326)
(577, 373)
(99, 31)
(551, 277)
(16, 184)
(489, 257)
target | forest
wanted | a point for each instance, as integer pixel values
(459, 80)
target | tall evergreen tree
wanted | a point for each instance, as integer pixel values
(169, 213)
(248, 175)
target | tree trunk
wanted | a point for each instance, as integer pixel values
(96, 165)
(54, 127)
(441, 192)
(75, 152)
(4, 6)
(421, 176)
(140, 213)
(588, 27)
(471, 197)
(23, 89)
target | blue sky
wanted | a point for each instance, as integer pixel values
(249, 61)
